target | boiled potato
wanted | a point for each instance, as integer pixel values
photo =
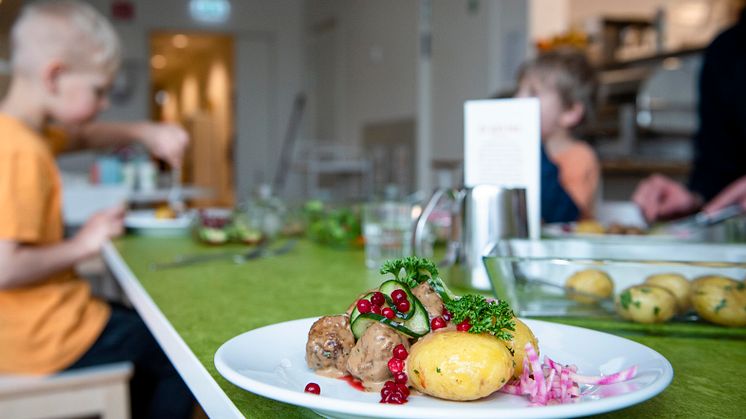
(590, 281)
(711, 280)
(646, 304)
(721, 300)
(461, 366)
(677, 284)
(521, 336)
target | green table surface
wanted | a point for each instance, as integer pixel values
(212, 302)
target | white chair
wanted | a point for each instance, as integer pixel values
(94, 391)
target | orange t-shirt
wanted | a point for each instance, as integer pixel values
(579, 173)
(50, 324)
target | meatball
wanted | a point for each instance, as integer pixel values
(429, 298)
(369, 359)
(329, 343)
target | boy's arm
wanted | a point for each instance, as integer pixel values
(24, 264)
(166, 141)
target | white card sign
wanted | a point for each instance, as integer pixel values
(502, 147)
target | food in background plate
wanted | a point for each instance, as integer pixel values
(219, 226)
(595, 227)
(622, 229)
(677, 284)
(164, 212)
(589, 227)
(413, 331)
(593, 282)
(646, 304)
(720, 300)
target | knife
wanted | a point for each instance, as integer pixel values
(193, 259)
(702, 219)
(260, 251)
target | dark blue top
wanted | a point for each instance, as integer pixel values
(556, 204)
(720, 142)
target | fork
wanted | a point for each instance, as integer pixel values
(281, 250)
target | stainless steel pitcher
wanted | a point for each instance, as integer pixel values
(480, 215)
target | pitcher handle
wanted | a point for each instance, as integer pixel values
(418, 235)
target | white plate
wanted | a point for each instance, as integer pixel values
(270, 361)
(145, 222)
(567, 231)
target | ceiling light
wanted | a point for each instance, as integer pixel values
(210, 11)
(180, 41)
(158, 61)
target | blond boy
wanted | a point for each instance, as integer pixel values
(64, 56)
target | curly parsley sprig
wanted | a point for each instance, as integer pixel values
(410, 270)
(495, 318)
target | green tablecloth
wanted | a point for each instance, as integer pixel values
(212, 302)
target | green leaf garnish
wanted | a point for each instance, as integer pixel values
(721, 305)
(495, 318)
(410, 270)
(625, 299)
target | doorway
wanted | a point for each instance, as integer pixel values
(192, 83)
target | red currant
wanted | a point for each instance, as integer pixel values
(400, 352)
(396, 365)
(400, 378)
(388, 313)
(363, 306)
(437, 323)
(398, 295)
(375, 309)
(377, 299)
(464, 326)
(403, 389)
(313, 388)
(447, 316)
(396, 398)
(403, 306)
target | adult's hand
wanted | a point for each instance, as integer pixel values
(735, 193)
(661, 197)
(166, 141)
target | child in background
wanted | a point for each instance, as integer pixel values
(564, 83)
(64, 56)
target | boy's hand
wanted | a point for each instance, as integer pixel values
(660, 197)
(166, 141)
(101, 227)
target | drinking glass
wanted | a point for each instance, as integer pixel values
(387, 229)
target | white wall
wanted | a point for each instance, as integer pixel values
(374, 45)
(477, 45)
(476, 52)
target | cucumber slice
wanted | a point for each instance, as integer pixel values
(440, 287)
(365, 320)
(355, 312)
(416, 319)
(392, 285)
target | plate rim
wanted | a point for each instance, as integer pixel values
(346, 407)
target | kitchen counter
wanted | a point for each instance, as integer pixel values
(194, 310)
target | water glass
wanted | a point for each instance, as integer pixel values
(387, 229)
